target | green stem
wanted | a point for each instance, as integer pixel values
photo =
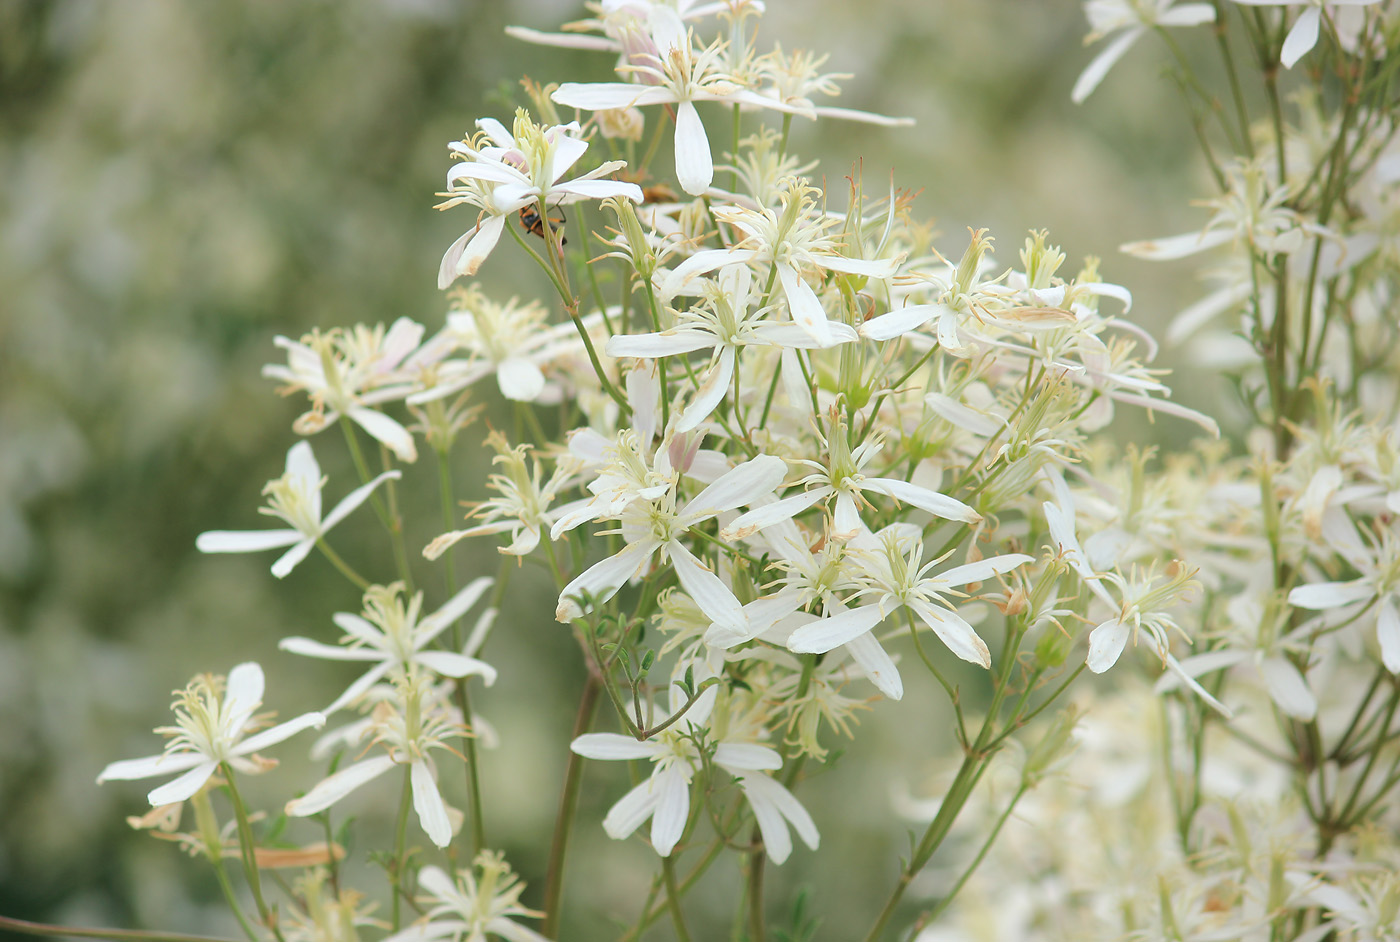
(25, 927)
(568, 808)
(396, 866)
(248, 850)
(360, 581)
(977, 861)
(757, 857)
(673, 899)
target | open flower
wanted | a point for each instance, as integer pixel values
(1303, 36)
(392, 637)
(469, 908)
(296, 498)
(1130, 19)
(211, 721)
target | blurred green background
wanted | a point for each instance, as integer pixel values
(181, 181)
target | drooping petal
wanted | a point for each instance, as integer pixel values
(774, 807)
(695, 168)
(1106, 644)
(804, 305)
(1388, 634)
(387, 431)
(427, 801)
(954, 631)
(711, 390)
(631, 810)
(464, 257)
(330, 790)
(519, 379)
(672, 808)
(288, 560)
(1288, 688)
(877, 664)
(706, 589)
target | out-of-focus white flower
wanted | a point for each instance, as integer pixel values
(211, 722)
(471, 908)
(673, 72)
(345, 372)
(296, 498)
(1303, 36)
(1133, 18)
(507, 171)
(392, 637)
(1379, 585)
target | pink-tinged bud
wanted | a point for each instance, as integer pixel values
(683, 449)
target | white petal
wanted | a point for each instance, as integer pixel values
(899, 322)
(823, 635)
(1388, 634)
(1287, 688)
(386, 430)
(278, 733)
(244, 541)
(1324, 595)
(519, 379)
(602, 580)
(451, 664)
(695, 169)
(846, 522)
(599, 96)
(767, 796)
(288, 560)
(164, 764)
(954, 631)
(711, 390)
(672, 809)
(243, 694)
(1106, 644)
(877, 664)
(1093, 74)
(983, 569)
(755, 478)
(1302, 37)
(804, 305)
(453, 609)
(1173, 247)
(464, 257)
(940, 505)
(427, 801)
(612, 746)
(358, 688)
(595, 190)
(332, 789)
(748, 757)
(665, 344)
(183, 787)
(355, 498)
(769, 514)
(631, 810)
(707, 590)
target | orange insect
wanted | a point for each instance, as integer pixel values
(533, 223)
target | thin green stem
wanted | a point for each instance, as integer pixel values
(359, 581)
(673, 898)
(248, 851)
(568, 809)
(977, 861)
(397, 865)
(25, 927)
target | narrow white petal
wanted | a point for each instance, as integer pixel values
(695, 169)
(775, 807)
(331, 652)
(983, 569)
(563, 40)
(769, 514)
(288, 560)
(595, 190)
(519, 379)
(451, 664)
(877, 664)
(357, 497)
(1093, 74)
(464, 257)
(940, 505)
(278, 733)
(954, 631)
(664, 344)
(706, 589)
(612, 746)
(821, 636)
(1287, 688)
(301, 461)
(1324, 595)
(1106, 644)
(1188, 14)
(804, 305)
(1173, 247)
(711, 390)
(453, 609)
(183, 787)
(387, 431)
(672, 809)
(631, 810)
(755, 478)
(602, 580)
(900, 322)
(598, 96)
(846, 522)
(427, 801)
(332, 789)
(164, 764)
(1302, 37)
(243, 694)
(747, 757)
(244, 541)
(1388, 634)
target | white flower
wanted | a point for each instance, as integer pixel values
(651, 526)
(1303, 36)
(347, 371)
(211, 722)
(723, 326)
(665, 796)
(509, 171)
(391, 636)
(470, 909)
(296, 498)
(897, 577)
(675, 74)
(415, 722)
(1379, 584)
(1134, 18)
